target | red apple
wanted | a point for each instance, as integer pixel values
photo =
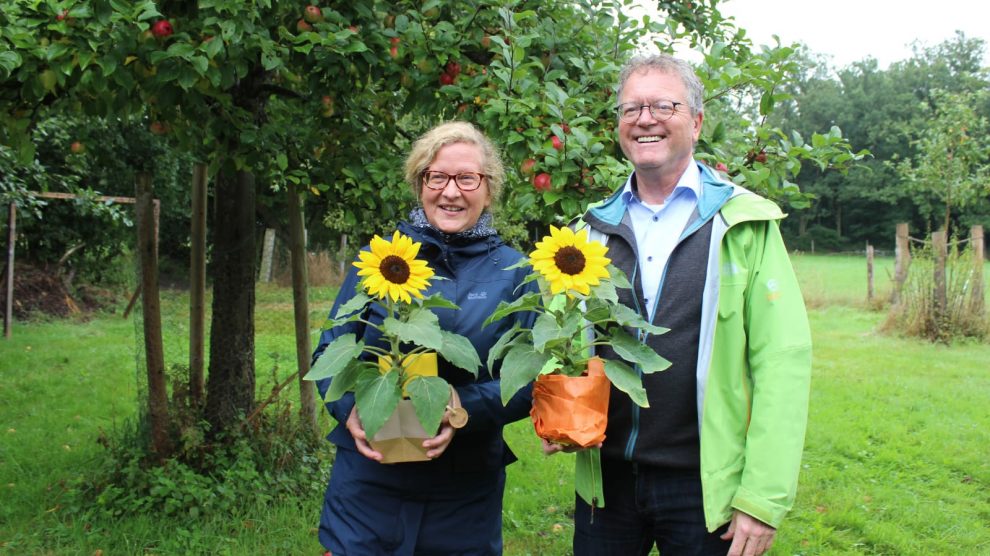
(77, 147)
(313, 14)
(446, 79)
(486, 41)
(528, 166)
(395, 41)
(303, 27)
(541, 181)
(721, 167)
(353, 28)
(328, 110)
(162, 29)
(453, 68)
(62, 15)
(762, 157)
(159, 128)
(565, 127)
(557, 143)
(393, 52)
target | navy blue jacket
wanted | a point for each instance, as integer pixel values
(476, 282)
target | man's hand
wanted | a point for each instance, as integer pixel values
(356, 429)
(750, 536)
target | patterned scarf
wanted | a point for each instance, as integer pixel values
(482, 229)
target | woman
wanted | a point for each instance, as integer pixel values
(451, 504)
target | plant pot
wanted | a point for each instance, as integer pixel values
(572, 410)
(401, 437)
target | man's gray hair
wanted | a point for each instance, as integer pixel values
(668, 64)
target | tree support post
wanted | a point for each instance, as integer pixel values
(8, 313)
(902, 260)
(197, 284)
(300, 305)
(940, 249)
(154, 352)
(976, 237)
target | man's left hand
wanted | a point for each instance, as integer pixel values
(750, 536)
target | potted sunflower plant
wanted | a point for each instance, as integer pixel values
(578, 309)
(397, 391)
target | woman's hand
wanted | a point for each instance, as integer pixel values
(356, 429)
(435, 446)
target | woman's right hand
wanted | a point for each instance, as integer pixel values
(356, 429)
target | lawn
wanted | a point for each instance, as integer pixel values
(896, 458)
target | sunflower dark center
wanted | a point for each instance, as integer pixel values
(570, 260)
(395, 269)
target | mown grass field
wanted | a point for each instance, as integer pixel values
(897, 457)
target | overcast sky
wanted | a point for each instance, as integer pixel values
(850, 30)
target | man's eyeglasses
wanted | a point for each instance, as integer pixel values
(465, 181)
(661, 110)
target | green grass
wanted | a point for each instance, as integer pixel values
(896, 458)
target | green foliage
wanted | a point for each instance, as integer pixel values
(952, 164)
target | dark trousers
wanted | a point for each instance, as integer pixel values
(644, 506)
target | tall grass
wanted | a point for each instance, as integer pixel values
(896, 458)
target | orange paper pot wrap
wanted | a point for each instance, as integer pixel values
(572, 409)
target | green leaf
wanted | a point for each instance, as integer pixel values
(348, 378)
(521, 366)
(336, 356)
(634, 351)
(605, 290)
(506, 341)
(429, 395)
(376, 398)
(459, 351)
(545, 329)
(626, 378)
(437, 301)
(354, 304)
(527, 302)
(618, 277)
(629, 317)
(421, 328)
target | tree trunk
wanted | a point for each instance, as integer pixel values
(300, 304)
(230, 386)
(150, 302)
(197, 284)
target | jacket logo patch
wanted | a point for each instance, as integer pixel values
(477, 295)
(773, 290)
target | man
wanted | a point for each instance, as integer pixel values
(711, 466)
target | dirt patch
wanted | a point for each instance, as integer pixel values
(40, 291)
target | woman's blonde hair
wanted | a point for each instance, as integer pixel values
(425, 149)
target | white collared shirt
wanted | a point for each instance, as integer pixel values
(658, 229)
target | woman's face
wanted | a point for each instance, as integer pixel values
(450, 209)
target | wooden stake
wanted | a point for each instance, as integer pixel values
(8, 313)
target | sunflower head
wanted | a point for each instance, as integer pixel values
(390, 269)
(569, 262)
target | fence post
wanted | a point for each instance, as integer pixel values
(902, 260)
(869, 273)
(940, 250)
(976, 237)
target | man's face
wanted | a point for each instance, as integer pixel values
(652, 145)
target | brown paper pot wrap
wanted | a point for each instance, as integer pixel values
(401, 437)
(572, 409)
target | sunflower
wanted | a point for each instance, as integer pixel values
(569, 261)
(391, 269)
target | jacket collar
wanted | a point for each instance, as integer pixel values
(715, 192)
